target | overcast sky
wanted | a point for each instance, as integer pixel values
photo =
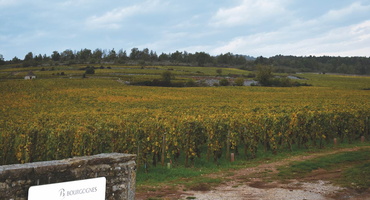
(250, 27)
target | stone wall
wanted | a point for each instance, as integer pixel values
(119, 170)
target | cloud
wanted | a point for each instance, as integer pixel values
(347, 40)
(4, 3)
(27, 38)
(335, 32)
(250, 12)
(74, 3)
(348, 11)
(362, 30)
(114, 18)
(254, 27)
(166, 42)
(191, 23)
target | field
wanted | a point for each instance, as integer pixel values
(195, 128)
(128, 73)
(54, 118)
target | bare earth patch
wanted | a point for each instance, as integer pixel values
(319, 190)
(254, 184)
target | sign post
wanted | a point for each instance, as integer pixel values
(88, 189)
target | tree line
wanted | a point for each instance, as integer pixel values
(134, 57)
(279, 63)
(323, 64)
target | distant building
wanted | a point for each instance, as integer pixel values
(30, 76)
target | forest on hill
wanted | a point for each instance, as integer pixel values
(145, 57)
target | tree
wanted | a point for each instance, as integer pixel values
(122, 54)
(202, 58)
(224, 82)
(167, 76)
(240, 60)
(38, 58)
(112, 55)
(176, 57)
(261, 60)
(45, 58)
(153, 55)
(134, 53)
(28, 60)
(239, 81)
(2, 59)
(225, 59)
(97, 54)
(145, 54)
(16, 60)
(85, 55)
(28, 57)
(67, 55)
(264, 75)
(55, 56)
(90, 70)
(163, 57)
(219, 72)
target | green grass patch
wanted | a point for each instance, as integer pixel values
(355, 168)
(160, 174)
(336, 81)
(194, 175)
(190, 178)
(357, 177)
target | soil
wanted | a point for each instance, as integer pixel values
(257, 183)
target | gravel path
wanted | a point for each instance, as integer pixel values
(318, 190)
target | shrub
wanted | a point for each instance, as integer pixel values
(264, 76)
(239, 81)
(167, 76)
(90, 70)
(224, 82)
(190, 83)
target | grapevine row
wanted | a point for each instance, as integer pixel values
(164, 138)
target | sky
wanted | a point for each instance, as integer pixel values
(249, 27)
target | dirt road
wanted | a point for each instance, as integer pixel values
(255, 184)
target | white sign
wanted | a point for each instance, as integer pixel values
(88, 189)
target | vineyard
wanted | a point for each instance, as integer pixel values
(49, 119)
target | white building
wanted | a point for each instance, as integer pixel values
(30, 76)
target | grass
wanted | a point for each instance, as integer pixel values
(354, 167)
(337, 81)
(357, 177)
(148, 73)
(160, 174)
(177, 70)
(195, 178)
(138, 74)
(133, 74)
(189, 178)
(327, 88)
(201, 167)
